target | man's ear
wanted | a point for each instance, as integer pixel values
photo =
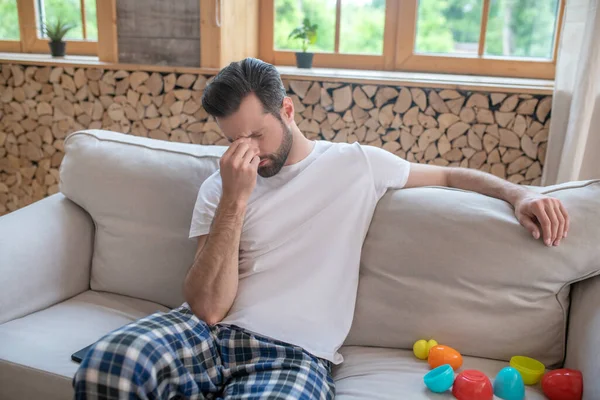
(287, 110)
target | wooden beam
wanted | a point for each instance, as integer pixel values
(252, 29)
(11, 46)
(487, 66)
(333, 60)
(107, 47)
(27, 25)
(210, 35)
(239, 31)
(83, 21)
(266, 28)
(406, 30)
(485, 15)
(389, 34)
(559, 24)
(74, 47)
(338, 17)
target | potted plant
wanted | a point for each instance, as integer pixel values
(55, 31)
(308, 34)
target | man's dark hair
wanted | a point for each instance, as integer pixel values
(223, 96)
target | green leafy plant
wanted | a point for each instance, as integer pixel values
(307, 32)
(56, 29)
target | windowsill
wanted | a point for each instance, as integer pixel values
(421, 79)
(396, 78)
(47, 58)
(94, 62)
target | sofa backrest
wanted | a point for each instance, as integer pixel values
(457, 266)
(437, 262)
(140, 193)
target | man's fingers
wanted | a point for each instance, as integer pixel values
(553, 222)
(231, 149)
(540, 213)
(531, 226)
(255, 161)
(250, 155)
(566, 216)
(561, 225)
(240, 150)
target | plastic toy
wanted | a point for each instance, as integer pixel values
(439, 379)
(531, 370)
(472, 385)
(421, 348)
(509, 385)
(563, 384)
(440, 355)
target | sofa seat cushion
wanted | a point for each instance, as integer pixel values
(378, 373)
(35, 351)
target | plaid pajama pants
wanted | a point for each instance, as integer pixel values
(175, 355)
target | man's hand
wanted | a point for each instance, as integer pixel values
(239, 166)
(532, 209)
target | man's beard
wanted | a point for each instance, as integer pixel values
(278, 158)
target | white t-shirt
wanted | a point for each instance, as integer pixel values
(301, 243)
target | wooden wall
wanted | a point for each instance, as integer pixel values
(159, 32)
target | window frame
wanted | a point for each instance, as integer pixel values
(29, 42)
(398, 48)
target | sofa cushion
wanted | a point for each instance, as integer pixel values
(140, 193)
(35, 355)
(457, 266)
(389, 374)
(36, 363)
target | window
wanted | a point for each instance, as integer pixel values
(448, 27)
(9, 20)
(94, 32)
(80, 12)
(488, 37)
(335, 29)
(337, 21)
(9, 25)
(522, 28)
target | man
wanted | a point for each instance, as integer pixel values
(270, 296)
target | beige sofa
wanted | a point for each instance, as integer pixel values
(437, 263)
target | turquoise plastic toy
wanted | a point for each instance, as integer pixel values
(509, 385)
(439, 379)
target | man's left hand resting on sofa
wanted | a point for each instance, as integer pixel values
(533, 210)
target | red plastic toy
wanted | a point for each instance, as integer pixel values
(563, 384)
(472, 385)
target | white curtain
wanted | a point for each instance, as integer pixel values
(574, 140)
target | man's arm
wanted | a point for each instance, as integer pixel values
(530, 207)
(211, 284)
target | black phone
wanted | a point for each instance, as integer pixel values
(80, 354)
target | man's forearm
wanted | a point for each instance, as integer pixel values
(533, 210)
(211, 283)
(485, 183)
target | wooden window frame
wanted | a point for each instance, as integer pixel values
(398, 48)
(30, 42)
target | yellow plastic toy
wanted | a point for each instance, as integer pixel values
(531, 370)
(421, 348)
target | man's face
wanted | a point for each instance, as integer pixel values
(270, 136)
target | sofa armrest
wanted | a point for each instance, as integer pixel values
(45, 255)
(583, 342)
